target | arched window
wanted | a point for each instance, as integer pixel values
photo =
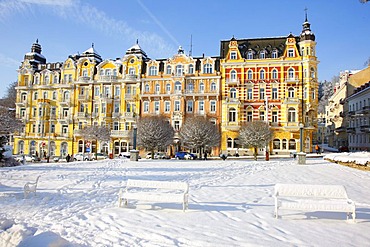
(190, 87)
(55, 80)
(262, 74)
(250, 75)
(274, 74)
(191, 69)
(146, 88)
(284, 144)
(207, 69)
(201, 87)
(233, 93)
(291, 115)
(168, 70)
(66, 96)
(233, 75)
(291, 74)
(250, 55)
(157, 87)
(179, 70)
(178, 86)
(54, 95)
(107, 72)
(46, 79)
(153, 70)
(131, 71)
(229, 143)
(312, 72)
(236, 143)
(276, 144)
(290, 92)
(168, 87)
(275, 54)
(292, 144)
(21, 147)
(213, 86)
(262, 55)
(232, 115)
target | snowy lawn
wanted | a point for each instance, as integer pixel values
(231, 204)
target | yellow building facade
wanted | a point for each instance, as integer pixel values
(269, 79)
(57, 100)
(273, 80)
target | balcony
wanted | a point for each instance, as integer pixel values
(130, 77)
(365, 128)
(365, 110)
(351, 130)
(340, 129)
(231, 126)
(84, 79)
(292, 79)
(108, 78)
(129, 114)
(83, 114)
(120, 133)
(291, 101)
(83, 97)
(130, 96)
(232, 81)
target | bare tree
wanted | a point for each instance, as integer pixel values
(326, 90)
(9, 124)
(154, 132)
(256, 134)
(199, 132)
(10, 96)
(96, 133)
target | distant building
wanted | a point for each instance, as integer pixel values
(338, 112)
(358, 128)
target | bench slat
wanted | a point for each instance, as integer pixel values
(309, 197)
(155, 191)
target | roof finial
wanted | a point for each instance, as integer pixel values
(305, 10)
(37, 41)
(92, 45)
(137, 41)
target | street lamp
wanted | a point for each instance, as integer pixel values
(301, 154)
(134, 154)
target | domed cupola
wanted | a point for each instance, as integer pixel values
(306, 33)
(35, 57)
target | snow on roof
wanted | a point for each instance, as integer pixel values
(34, 53)
(359, 158)
(91, 50)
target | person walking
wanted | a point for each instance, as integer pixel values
(317, 148)
(68, 157)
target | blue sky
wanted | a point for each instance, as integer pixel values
(66, 27)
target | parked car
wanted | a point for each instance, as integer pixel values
(161, 155)
(343, 149)
(148, 156)
(182, 155)
(124, 155)
(27, 157)
(83, 157)
(99, 156)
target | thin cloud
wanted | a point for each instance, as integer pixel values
(8, 61)
(90, 16)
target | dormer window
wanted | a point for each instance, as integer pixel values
(262, 55)
(179, 70)
(233, 55)
(168, 70)
(152, 70)
(250, 55)
(291, 52)
(191, 69)
(207, 69)
(275, 54)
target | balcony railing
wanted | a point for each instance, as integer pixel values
(84, 79)
(130, 77)
(351, 130)
(108, 78)
(232, 81)
(120, 133)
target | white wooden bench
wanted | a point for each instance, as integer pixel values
(30, 187)
(307, 197)
(155, 191)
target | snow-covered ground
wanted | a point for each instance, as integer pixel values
(231, 204)
(359, 158)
